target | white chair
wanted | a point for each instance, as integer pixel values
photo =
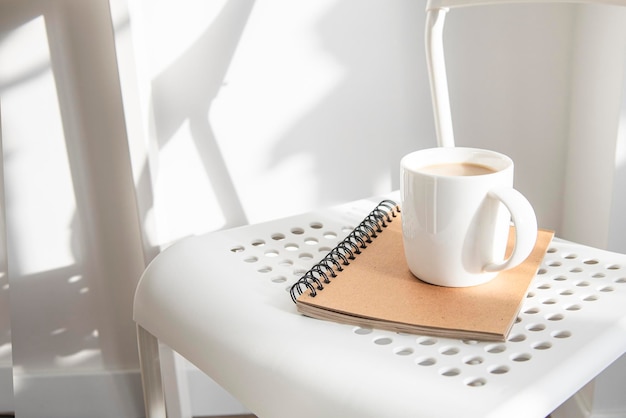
(221, 301)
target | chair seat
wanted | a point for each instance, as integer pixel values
(221, 300)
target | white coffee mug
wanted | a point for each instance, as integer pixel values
(457, 206)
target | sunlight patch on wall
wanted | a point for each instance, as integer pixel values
(40, 201)
(185, 202)
(86, 356)
(289, 79)
(5, 351)
(17, 66)
(273, 83)
(264, 196)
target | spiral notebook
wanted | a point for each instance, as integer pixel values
(365, 281)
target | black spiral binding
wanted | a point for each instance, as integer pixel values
(369, 228)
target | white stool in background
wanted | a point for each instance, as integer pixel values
(221, 300)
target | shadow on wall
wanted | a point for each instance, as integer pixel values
(354, 135)
(175, 102)
(378, 112)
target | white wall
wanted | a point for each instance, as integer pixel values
(594, 194)
(545, 84)
(263, 106)
(510, 70)
(302, 94)
(236, 111)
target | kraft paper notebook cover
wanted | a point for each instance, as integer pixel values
(376, 289)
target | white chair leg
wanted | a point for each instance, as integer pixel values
(154, 399)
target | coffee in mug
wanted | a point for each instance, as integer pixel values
(457, 207)
(457, 169)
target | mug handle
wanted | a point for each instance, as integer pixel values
(525, 222)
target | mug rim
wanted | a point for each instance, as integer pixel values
(494, 160)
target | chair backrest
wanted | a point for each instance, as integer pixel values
(435, 16)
